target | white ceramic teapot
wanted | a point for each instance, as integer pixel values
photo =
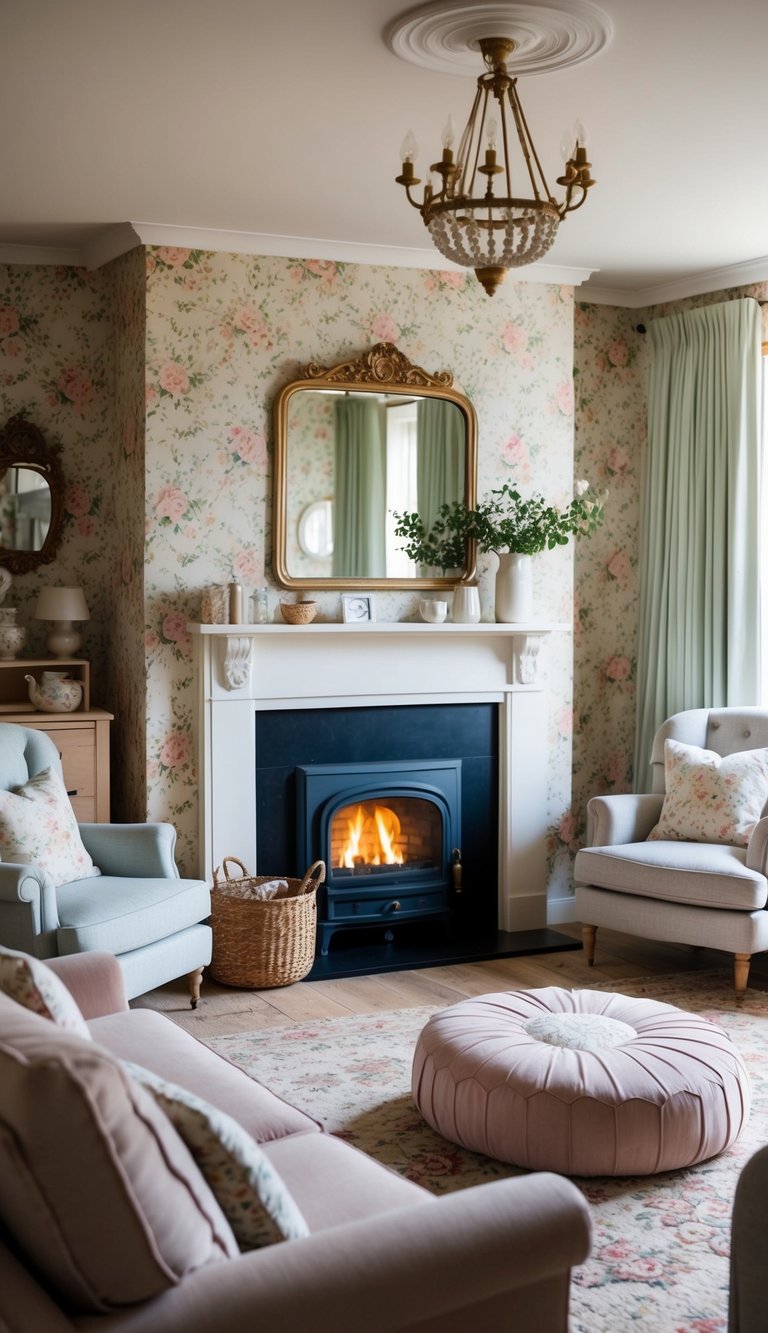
(55, 693)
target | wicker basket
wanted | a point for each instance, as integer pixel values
(258, 944)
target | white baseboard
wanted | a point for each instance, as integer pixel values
(561, 910)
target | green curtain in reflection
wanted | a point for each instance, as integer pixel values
(359, 545)
(698, 639)
(440, 457)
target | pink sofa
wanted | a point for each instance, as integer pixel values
(383, 1254)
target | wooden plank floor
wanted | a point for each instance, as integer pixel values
(223, 1009)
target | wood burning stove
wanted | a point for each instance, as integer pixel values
(390, 835)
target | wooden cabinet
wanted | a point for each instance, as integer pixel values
(82, 740)
(81, 737)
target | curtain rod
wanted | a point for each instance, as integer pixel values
(640, 328)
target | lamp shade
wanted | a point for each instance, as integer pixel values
(62, 604)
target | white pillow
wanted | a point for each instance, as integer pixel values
(38, 825)
(246, 1186)
(33, 985)
(709, 798)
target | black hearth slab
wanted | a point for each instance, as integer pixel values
(351, 956)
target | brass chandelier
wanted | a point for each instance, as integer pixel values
(489, 228)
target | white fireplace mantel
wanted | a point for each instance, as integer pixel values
(245, 669)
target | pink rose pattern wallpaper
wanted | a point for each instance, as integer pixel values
(157, 373)
(57, 369)
(223, 334)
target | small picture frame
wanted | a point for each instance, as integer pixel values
(358, 608)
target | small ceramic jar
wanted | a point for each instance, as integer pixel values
(12, 640)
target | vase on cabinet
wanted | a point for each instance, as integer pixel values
(465, 609)
(514, 588)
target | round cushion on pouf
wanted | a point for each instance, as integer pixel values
(582, 1082)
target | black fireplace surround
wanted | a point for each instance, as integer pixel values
(310, 763)
(314, 764)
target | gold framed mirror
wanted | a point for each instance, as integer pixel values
(31, 497)
(358, 443)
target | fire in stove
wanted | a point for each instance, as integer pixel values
(372, 840)
(376, 837)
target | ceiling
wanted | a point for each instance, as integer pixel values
(281, 121)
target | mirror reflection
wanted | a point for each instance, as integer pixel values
(31, 496)
(25, 509)
(350, 455)
(374, 454)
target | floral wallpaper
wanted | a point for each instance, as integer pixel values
(223, 334)
(610, 373)
(57, 369)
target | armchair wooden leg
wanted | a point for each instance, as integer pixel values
(741, 963)
(195, 981)
(588, 939)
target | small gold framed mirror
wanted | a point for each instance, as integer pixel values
(31, 497)
(356, 444)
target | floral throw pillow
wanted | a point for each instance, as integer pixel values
(709, 798)
(38, 826)
(31, 984)
(246, 1186)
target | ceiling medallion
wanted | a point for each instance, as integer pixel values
(487, 205)
(445, 35)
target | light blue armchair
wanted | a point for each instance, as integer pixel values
(138, 908)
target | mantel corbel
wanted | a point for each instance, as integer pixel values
(236, 651)
(526, 647)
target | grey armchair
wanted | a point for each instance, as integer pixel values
(138, 908)
(696, 893)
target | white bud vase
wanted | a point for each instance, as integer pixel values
(514, 588)
(466, 604)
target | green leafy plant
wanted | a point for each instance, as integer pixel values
(503, 522)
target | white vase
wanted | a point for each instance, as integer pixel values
(466, 604)
(514, 588)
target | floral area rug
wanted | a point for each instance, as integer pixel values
(659, 1259)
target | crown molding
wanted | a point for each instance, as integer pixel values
(340, 252)
(109, 244)
(119, 238)
(713, 280)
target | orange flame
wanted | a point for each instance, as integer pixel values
(372, 838)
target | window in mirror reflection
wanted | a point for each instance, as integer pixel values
(25, 509)
(372, 454)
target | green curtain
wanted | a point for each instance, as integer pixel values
(699, 623)
(439, 457)
(360, 458)
(440, 460)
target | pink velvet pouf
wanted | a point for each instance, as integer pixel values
(581, 1082)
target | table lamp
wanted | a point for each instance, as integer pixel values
(62, 606)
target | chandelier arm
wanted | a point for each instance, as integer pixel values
(505, 142)
(568, 207)
(526, 142)
(466, 145)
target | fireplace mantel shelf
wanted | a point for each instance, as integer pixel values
(383, 627)
(239, 642)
